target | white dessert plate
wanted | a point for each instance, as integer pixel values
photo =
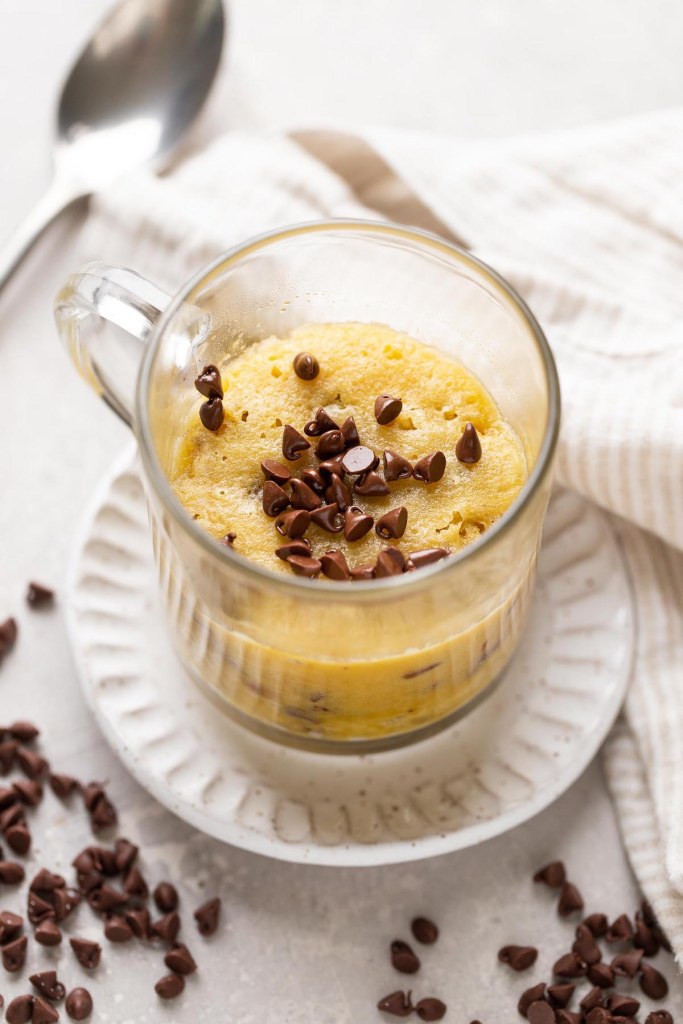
(503, 763)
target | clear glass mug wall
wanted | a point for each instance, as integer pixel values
(328, 665)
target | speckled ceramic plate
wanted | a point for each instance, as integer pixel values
(504, 762)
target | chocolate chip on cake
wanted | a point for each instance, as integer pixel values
(275, 471)
(331, 443)
(338, 493)
(419, 559)
(392, 524)
(293, 443)
(431, 468)
(274, 499)
(396, 467)
(334, 565)
(306, 366)
(387, 565)
(295, 547)
(208, 383)
(363, 572)
(356, 523)
(468, 448)
(293, 523)
(359, 460)
(314, 479)
(303, 497)
(371, 485)
(328, 518)
(350, 432)
(304, 565)
(387, 409)
(211, 413)
(320, 424)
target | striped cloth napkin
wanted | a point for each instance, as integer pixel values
(588, 226)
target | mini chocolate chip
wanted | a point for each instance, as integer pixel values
(304, 565)
(591, 1000)
(570, 900)
(180, 960)
(25, 732)
(314, 479)
(331, 443)
(63, 785)
(208, 383)
(398, 1004)
(531, 995)
(371, 485)
(43, 1013)
(8, 749)
(37, 595)
(306, 366)
(519, 958)
(303, 497)
(78, 1004)
(569, 966)
(29, 791)
(38, 908)
(627, 965)
(117, 929)
(14, 954)
(363, 572)
(140, 921)
(392, 524)
(396, 467)
(20, 1010)
(356, 523)
(387, 409)
(586, 946)
(229, 539)
(597, 924)
(402, 957)
(47, 984)
(598, 1015)
(320, 424)
(47, 933)
(540, 1013)
(166, 928)
(330, 466)
(659, 1017)
(620, 930)
(431, 468)
(170, 986)
(11, 873)
(645, 938)
(211, 413)
(275, 471)
(46, 881)
(650, 919)
(293, 443)
(338, 493)
(553, 874)
(652, 982)
(559, 995)
(625, 1006)
(10, 926)
(125, 854)
(295, 547)
(386, 565)
(424, 930)
(8, 635)
(358, 460)
(87, 952)
(430, 1009)
(274, 500)
(419, 559)
(334, 565)
(601, 975)
(328, 518)
(207, 916)
(563, 1016)
(18, 838)
(350, 432)
(294, 523)
(468, 448)
(31, 764)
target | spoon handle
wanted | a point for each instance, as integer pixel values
(58, 195)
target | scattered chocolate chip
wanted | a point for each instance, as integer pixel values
(211, 413)
(392, 524)
(14, 954)
(621, 930)
(559, 995)
(274, 500)
(387, 409)
(167, 927)
(627, 965)
(166, 897)
(659, 1017)
(563, 1016)
(62, 785)
(29, 791)
(295, 547)
(540, 1013)
(10, 926)
(38, 908)
(597, 924)
(431, 468)
(652, 982)
(117, 929)
(8, 638)
(293, 443)
(275, 471)
(18, 838)
(47, 984)
(531, 995)
(303, 497)
(31, 764)
(468, 448)
(419, 559)
(47, 933)
(334, 565)
(139, 920)
(102, 811)
(180, 960)
(338, 493)
(8, 750)
(371, 485)
(350, 432)
(569, 966)
(11, 873)
(330, 466)
(208, 383)
(601, 975)
(570, 900)
(43, 1013)
(424, 930)
(314, 479)
(430, 1009)
(25, 732)
(20, 1010)
(306, 366)
(356, 523)
(304, 565)
(396, 467)
(207, 916)
(331, 443)
(170, 986)
(553, 874)
(105, 898)
(125, 855)
(293, 523)
(320, 424)
(625, 1006)
(359, 460)
(402, 957)
(38, 595)
(586, 946)
(87, 953)
(645, 937)
(398, 1004)
(519, 958)
(591, 1000)
(598, 1015)
(78, 1004)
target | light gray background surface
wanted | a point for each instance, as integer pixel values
(298, 945)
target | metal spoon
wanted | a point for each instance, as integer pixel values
(130, 97)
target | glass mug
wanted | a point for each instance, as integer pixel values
(330, 666)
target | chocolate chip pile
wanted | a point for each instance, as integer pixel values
(406, 961)
(634, 942)
(327, 496)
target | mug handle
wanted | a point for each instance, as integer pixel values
(105, 315)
